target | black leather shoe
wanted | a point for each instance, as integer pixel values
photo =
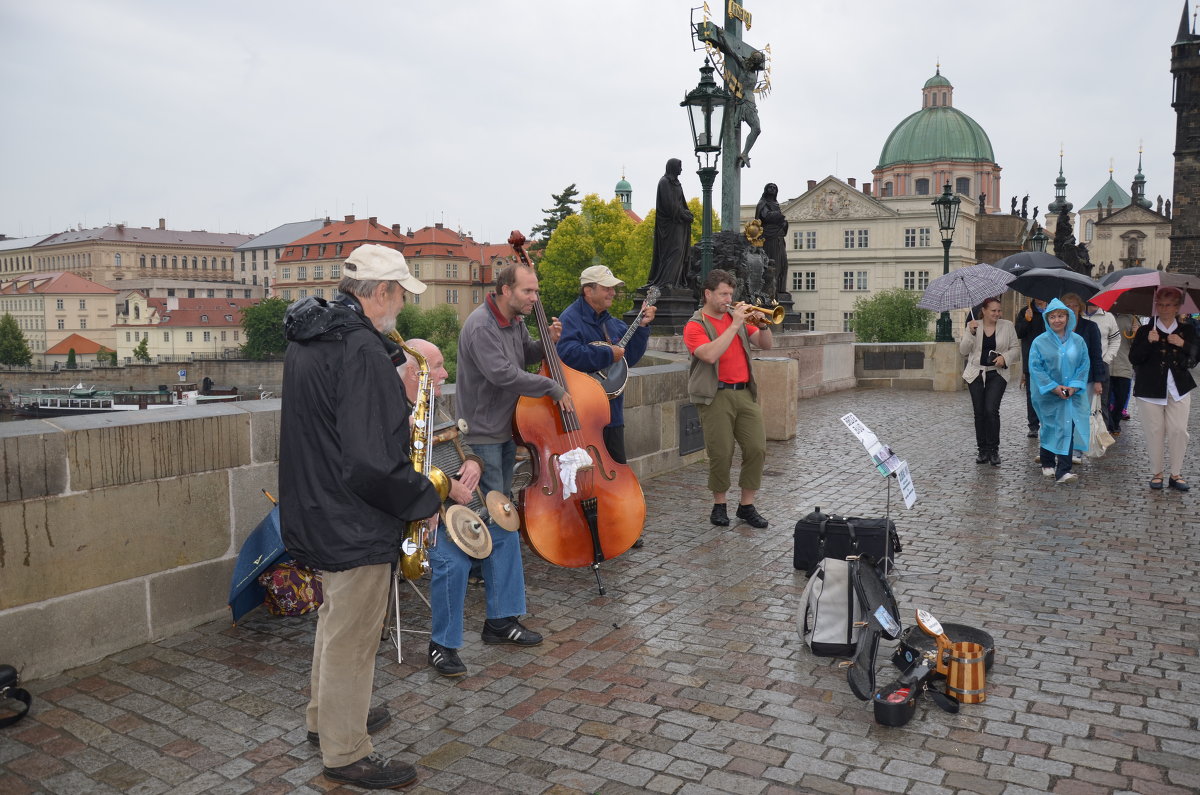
(1178, 484)
(718, 516)
(750, 516)
(1033, 433)
(377, 718)
(982, 458)
(445, 661)
(509, 630)
(994, 458)
(373, 772)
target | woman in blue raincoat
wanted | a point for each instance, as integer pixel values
(1058, 372)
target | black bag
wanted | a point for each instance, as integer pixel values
(821, 535)
(9, 689)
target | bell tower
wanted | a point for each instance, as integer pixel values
(1185, 98)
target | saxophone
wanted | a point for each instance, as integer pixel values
(414, 555)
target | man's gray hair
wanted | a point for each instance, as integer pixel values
(362, 289)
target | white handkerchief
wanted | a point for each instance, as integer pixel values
(568, 464)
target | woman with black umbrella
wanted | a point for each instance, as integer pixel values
(992, 348)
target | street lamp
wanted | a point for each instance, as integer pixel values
(706, 112)
(1039, 240)
(946, 206)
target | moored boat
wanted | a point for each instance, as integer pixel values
(79, 399)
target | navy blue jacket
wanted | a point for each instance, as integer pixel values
(582, 326)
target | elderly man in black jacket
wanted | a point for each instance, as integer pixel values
(347, 488)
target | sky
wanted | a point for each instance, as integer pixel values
(241, 115)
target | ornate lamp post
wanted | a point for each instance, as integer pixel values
(706, 111)
(946, 206)
(1039, 240)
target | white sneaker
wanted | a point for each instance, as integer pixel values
(1076, 458)
(1048, 471)
(1069, 477)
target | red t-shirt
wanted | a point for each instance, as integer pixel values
(733, 367)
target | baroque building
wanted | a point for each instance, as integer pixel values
(50, 307)
(1123, 230)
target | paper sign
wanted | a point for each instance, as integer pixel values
(907, 489)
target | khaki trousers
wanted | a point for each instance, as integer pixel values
(1166, 426)
(734, 416)
(349, 624)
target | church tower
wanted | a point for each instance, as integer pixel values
(1185, 98)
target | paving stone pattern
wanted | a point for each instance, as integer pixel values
(689, 676)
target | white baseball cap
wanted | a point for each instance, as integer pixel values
(598, 274)
(376, 263)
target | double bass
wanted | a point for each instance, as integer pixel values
(604, 517)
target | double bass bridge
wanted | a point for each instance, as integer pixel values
(552, 487)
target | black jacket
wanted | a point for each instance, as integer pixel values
(1151, 360)
(1027, 332)
(1097, 369)
(346, 485)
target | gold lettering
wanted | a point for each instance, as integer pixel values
(736, 11)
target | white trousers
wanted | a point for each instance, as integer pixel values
(1166, 427)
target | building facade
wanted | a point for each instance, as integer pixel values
(312, 264)
(256, 257)
(1123, 230)
(49, 307)
(178, 329)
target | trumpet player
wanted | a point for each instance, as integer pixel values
(721, 384)
(346, 487)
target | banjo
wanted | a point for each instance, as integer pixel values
(614, 377)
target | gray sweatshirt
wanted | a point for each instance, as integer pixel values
(492, 356)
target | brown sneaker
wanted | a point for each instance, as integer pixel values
(373, 772)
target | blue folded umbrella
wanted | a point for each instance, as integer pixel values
(263, 548)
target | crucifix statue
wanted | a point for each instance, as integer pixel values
(746, 70)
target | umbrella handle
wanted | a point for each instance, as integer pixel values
(269, 497)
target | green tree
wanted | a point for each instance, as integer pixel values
(891, 316)
(14, 350)
(71, 364)
(141, 351)
(105, 356)
(440, 325)
(263, 324)
(563, 207)
(601, 233)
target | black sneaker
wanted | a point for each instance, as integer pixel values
(718, 515)
(377, 718)
(373, 772)
(750, 516)
(509, 630)
(445, 661)
(638, 544)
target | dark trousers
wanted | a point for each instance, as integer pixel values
(1061, 463)
(1118, 398)
(1030, 413)
(614, 440)
(986, 392)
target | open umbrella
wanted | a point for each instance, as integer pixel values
(263, 548)
(964, 287)
(1108, 278)
(1024, 261)
(1047, 283)
(1134, 294)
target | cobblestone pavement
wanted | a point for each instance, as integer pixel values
(689, 676)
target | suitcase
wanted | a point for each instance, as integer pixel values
(820, 535)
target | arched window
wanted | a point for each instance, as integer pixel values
(117, 260)
(175, 262)
(922, 187)
(142, 261)
(1088, 230)
(204, 263)
(195, 263)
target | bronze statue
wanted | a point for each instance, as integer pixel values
(1014, 206)
(1025, 206)
(747, 108)
(775, 227)
(672, 230)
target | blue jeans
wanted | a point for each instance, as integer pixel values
(503, 572)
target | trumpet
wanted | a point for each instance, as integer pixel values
(768, 315)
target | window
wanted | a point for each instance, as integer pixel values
(922, 187)
(235, 336)
(862, 280)
(804, 281)
(452, 296)
(335, 272)
(62, 324)
(153, 261)
(887, 192)
(319, 293)
(303, 293)
(82, 322)
(850, 236)
(416, 270)
(1089, 230)
(170, 292)
(452, 270)
(338, 252)
(285, 273)
(854, 280)
(847, 280)
(847, 321)
(287, 295)
(305, 254)
(127, 336)
(229, 293)
(204, 263)
(195, 260)
(189, 336)
(848, 239)
(322, 254)
(916, 280)
(910, 237)
(963, 185)
(208, 336)
(809, 320)
(204, 318)
(416, 299)
(810, 240)
(142, 260)
(58, 303)
(222, 336)
(302, 273)
(923, 237)
(212, 293)
(166, 336)
(475, 297)
(117, 260)
(318, 271)
(174, 264)
(796, 237)
(863, 238)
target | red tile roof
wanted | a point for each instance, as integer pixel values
(351, 234)
(191, 312)
(81, 345)
(54, 283)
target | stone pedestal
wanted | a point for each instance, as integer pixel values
(778, 380)
(676, 305)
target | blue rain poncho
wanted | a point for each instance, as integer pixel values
(1055, 360)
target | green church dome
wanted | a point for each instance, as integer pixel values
(936, 133)
(623, 186)
(937, 80)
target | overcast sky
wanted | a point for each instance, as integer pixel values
(240, 115)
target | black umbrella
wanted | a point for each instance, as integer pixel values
(1047, 283)
(1024, 261)
(1108, 278)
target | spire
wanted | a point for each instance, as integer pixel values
(1185, 34)
(1060, 203)
(1139, 185)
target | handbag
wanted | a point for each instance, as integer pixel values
(1100, 439)
(8, 689)
(819, 535)
(292, 590)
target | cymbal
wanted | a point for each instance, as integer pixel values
(502, 511)
(468, 531)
